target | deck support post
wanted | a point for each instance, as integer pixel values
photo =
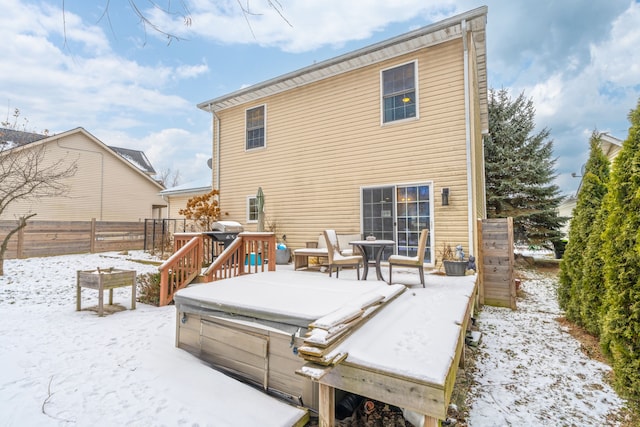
(327, 405)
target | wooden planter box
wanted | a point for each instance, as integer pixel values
(101, 280)
(455, 268)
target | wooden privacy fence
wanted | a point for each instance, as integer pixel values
(497, 280)
(49, 238)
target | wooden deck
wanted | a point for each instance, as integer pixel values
(406, 355)
(402, 348)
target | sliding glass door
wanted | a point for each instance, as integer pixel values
(378, 217)
(398, 213)
(413, 207)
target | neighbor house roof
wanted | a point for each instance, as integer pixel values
(47, 138)
(610, 145)
(440, 32)
(133, 157)
(194, 187)
(136, 158)
(17, 137)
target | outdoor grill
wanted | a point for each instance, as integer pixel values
(225, 232)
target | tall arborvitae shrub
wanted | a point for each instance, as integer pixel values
(571, 288)
(593, 289)
(621, 322)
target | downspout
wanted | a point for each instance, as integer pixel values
(467, 122)
(484, 187)
(101, 169)
(168, 206)
(216, 147)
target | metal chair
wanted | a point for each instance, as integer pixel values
(336, 259)
(411, 261)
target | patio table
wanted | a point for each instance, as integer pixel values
(378, 247)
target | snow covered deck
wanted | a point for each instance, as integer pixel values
(402, 345)
(407, 354)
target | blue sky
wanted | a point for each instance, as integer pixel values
(578, 60)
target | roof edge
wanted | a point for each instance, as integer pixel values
(436, 26)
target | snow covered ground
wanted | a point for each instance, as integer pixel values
(66, 368)
(61, 367)
(531, 372)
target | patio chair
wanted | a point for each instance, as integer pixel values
(411, 261)
(336, 259)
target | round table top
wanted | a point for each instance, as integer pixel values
(372, 242)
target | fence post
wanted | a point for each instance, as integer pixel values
(93, 236)
(20, 247)
(480, 262)
(144, 245)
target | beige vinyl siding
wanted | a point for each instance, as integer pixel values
(326, 142)
(104, 187)
(177, 202)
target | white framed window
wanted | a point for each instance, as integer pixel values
(399, 92)
(252, 209)
(256, 119)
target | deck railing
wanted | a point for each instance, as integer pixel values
(252, 249)
(193, 252)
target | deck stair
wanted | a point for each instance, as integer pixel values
(197, 259)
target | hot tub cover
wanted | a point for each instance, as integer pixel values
(287, 297)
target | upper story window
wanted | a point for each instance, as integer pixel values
(399, 93)
(255, 127)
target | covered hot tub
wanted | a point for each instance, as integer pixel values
(251, 326)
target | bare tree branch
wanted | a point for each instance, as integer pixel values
(275, 5)
(183, 10)
(25, 175)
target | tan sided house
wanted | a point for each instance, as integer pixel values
(110, 184)
(178, 196)
(386, 140)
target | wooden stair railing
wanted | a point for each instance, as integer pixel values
(252, 249)
(181, 268)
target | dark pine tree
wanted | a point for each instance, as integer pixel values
(520, 171)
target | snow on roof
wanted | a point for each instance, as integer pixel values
(136, 158)
(17, 137)
(202, 185)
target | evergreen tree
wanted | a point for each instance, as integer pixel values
(620, 337)
(575, 285)
(593, 288)
(520, 171)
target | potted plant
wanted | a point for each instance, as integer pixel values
(454, 263)
(283, 253)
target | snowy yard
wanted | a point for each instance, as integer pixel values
(68, 368)
(531, 372)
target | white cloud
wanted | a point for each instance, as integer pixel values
(547, 97)
(170, 148)
(618, 58)
(589, 82)
(298, 26)
(61, 88)
(580, 64)
(190, 71)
